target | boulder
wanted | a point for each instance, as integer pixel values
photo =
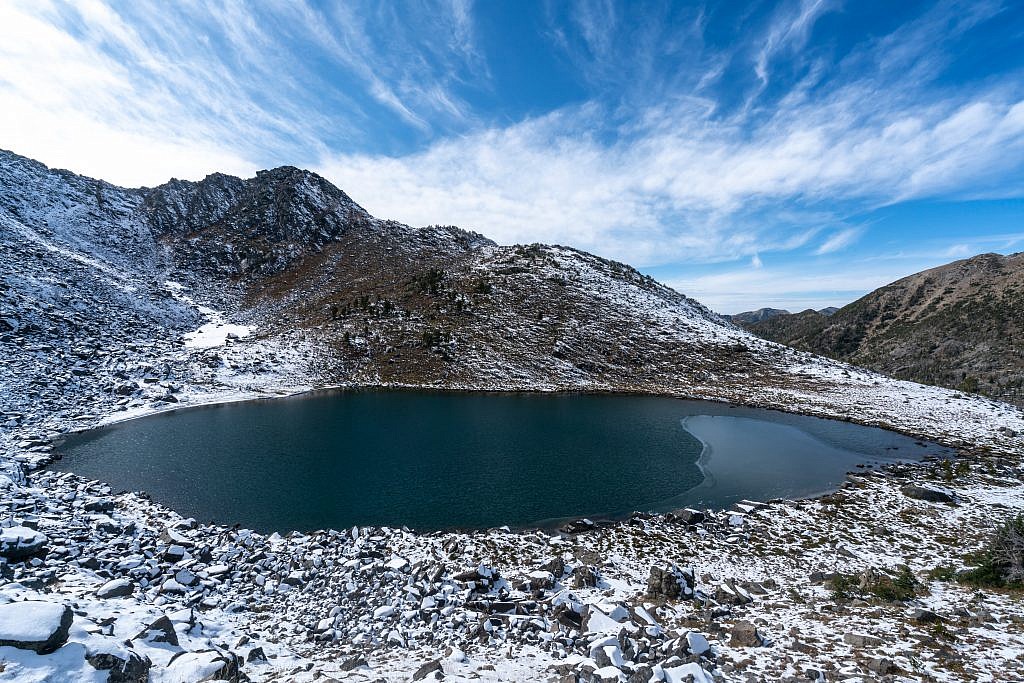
(205, 665)
(134, 669)
(858, 640)
(541, 580)
(584, 576)
(99, 505)
(35, 625)
(744, 634)
(173, 537)
(186, 577)
(20, 542)
(928, 492)
(882, 666)
(118, 588)
(669, 583)
(353, 663)
(640, 674)
(687, 516)
(427, 670)
(160, 631)
(555, 565)
(923, 616)
(580, 526)
(697, 643)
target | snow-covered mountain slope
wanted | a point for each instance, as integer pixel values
(120, 302)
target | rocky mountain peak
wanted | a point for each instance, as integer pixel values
(258, 224)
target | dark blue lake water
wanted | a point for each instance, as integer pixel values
(441, 460)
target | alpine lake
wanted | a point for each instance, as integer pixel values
(467, 460)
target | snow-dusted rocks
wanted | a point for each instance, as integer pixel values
(209, 665)
(744, 634)
(697, 643)
(929, 492)
(116, 588)
(123, 667)
(20, 542)
(160, 631)
(669, 583)
(34, 625)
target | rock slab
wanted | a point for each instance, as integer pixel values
(35, 625)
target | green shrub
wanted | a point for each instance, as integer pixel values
(944, 572)
(877, 585)
(1000, 564)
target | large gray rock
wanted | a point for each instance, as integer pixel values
(859, 640)
(160, 631)
(35, 625)
(118, 588)
(134, 669)
(882, 666)
(427, 669)
(669, 583)
(584, 576)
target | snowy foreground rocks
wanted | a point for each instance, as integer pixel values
(19, 542)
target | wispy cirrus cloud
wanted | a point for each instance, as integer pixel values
(687, 186)
(139, 92)
(788, 31)
(840, 240)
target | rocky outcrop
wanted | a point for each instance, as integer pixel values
(20, 542)
(931, 493)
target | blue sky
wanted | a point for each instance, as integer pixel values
(785, 154)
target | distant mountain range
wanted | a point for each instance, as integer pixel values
(960, 325)
(762, 314)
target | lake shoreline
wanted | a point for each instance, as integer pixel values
(283, 620)
(609, 456)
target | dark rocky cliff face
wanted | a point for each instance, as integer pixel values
(230, 226)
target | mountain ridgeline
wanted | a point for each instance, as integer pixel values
(92, 269)
(960, 325)
(94, 272)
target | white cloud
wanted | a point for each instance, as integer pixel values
(839, 240)
(789, 31)
(139, 92)
(128, 94)
(686, 186)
